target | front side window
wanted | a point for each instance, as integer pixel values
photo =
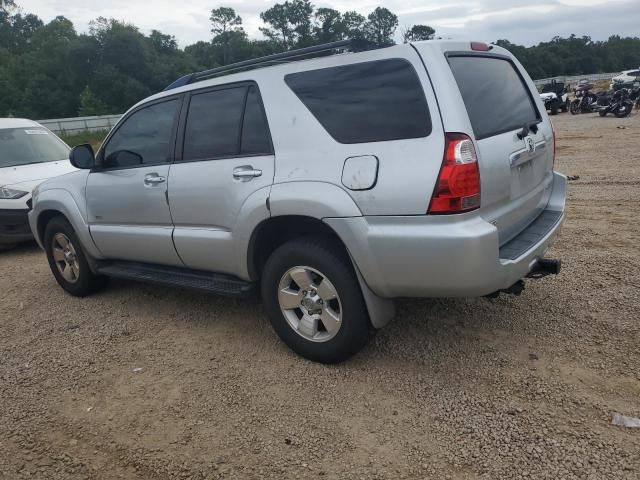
(26, 145)
(226, 123)
(365, 102)
(143, 138)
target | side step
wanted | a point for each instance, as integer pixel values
(219, 283)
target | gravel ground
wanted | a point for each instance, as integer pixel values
(516, 387)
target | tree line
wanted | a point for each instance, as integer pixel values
(50, 70)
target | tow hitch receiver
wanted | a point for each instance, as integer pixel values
(544, 267)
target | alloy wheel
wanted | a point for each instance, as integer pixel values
(310, 304)
(65, 257)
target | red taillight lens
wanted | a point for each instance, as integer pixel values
(458, 186)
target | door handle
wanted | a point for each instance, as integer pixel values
(153, 179)
(246, 172)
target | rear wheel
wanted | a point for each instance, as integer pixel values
(602, 113)
(565, 106)
(623, 111)
(313, 300)
(67, 261)
(554, 109)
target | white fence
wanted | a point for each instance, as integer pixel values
(576, 78)
(80, 124)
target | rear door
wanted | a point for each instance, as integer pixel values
(224, 156)
(514, 139)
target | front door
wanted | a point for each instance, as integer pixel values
(127, 205)
(226, 162)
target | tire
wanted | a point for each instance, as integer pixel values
(574, 107)
(554, 109)
(625, 112)
(565, 106)
(314, 262)
(71, 269)
(602, 113)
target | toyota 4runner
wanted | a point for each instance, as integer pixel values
(332, 184)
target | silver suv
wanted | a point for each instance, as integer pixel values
(333, 184)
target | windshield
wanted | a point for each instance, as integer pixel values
(22, 146)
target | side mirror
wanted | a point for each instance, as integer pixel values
(82, 156)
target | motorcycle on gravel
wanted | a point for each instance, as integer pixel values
(619, 103)
(585, 99)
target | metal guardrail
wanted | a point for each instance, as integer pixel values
(576, 78)
(80, 124)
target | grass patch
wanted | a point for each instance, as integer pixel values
(94, 138)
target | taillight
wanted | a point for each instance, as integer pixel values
(458, 186)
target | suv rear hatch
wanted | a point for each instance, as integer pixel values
(514, 141)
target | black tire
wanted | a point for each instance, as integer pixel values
(574, 107)
(329, 259)
(7, 246)
(86, 281)
(625, 112)
(554, 109)
(602, 113)
(565, 106)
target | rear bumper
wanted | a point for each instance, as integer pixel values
(446, 256)
(14, 226)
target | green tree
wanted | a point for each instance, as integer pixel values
(417, 33)
(381, 26)
(90, 104)
(227, 29)
(290, 23)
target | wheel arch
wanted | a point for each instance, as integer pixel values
(276, 231)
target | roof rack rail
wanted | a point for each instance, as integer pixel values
(354, 44)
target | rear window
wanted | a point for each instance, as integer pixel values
(496, 97)
(365, 102)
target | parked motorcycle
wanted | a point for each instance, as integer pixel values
(619, 103)
(585, 100)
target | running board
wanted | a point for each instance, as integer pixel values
(219, 283)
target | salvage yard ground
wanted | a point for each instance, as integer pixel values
(516, 387)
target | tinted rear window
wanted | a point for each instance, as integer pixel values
(495, 95)
(365, 102)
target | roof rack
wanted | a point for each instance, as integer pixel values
(354, 44)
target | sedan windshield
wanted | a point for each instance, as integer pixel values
(22, 146)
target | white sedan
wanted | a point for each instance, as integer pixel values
(29, 155)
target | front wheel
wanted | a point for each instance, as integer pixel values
(574, 108)
(314, 301)
(602, 113)
(67, 261)
(554, 109)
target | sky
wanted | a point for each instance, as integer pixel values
(522, 22)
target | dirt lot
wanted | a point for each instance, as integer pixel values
(453, 389)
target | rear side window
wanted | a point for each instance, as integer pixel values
(496, 97)
(226, 123)
(365, 102)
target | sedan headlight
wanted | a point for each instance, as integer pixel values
(11, 194)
